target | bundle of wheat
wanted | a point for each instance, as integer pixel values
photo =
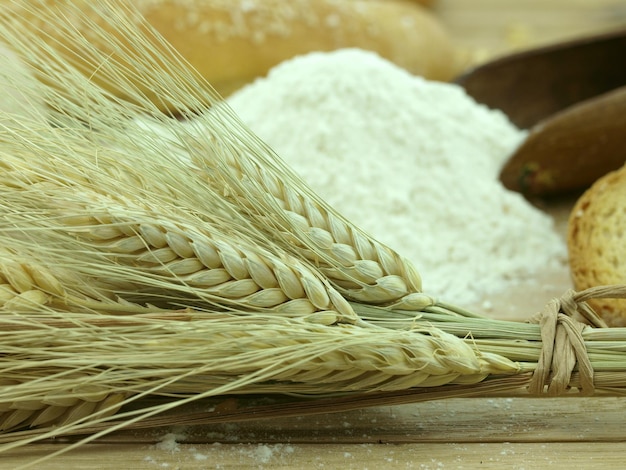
(194, 263)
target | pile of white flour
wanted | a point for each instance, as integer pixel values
(415, 163)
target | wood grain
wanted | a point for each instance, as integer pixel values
(556, 456)
(456, 433)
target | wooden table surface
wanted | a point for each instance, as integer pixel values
(489, 433)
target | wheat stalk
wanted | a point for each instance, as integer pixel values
(281, 205)
(110, 199)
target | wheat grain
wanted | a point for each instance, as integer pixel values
(24, 286)
(28, 284)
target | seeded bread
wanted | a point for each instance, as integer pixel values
(233, 42)
(597, 242)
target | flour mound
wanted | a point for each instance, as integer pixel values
(413, 162)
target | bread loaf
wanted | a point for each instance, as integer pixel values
(597, 242)
(231, 43)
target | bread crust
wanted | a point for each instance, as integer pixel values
(596, 242)
(231, 43)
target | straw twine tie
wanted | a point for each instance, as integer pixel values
(563, 346)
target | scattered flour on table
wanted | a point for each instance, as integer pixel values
(413, 162)
(169, 442)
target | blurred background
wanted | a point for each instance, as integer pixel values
(484, 29)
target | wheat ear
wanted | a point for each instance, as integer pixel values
(218, 353)
(202, 354)
(28, 284)
(160, 265)
(208, 354)
(209, 267)
(165, 251)
(59, 410)
(280, 202)
(237, 163)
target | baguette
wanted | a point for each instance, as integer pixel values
(597, 242)
(232, 43)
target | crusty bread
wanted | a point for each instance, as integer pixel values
(597, 242)
(233, 42)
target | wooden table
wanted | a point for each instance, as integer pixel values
(489, 433)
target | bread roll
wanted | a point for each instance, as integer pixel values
(232, 42)
(597, 242)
